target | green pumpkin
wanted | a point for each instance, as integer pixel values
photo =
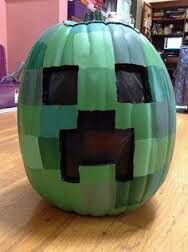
(57, 133)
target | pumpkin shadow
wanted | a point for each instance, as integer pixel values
(69, 228)
(45, 223)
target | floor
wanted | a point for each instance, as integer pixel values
(28, 223)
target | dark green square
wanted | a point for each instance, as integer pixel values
(31, 89)
(30, 119)
(54, 118)
(49, 150)
(36, 57)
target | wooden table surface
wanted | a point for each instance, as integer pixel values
(28, 223)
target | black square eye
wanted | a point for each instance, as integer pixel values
(60, 85)
(132, 84)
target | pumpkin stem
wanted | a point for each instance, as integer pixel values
(94, 16)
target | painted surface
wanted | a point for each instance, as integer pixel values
(96, 48)
(26, 21)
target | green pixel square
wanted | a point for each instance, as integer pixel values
(160, 117)
(36, 56)
(31, 152)
(127, 45)
(50, 154)
(31, 89)
(153, 184)
(150, 155)
(98, 198)
(97, 89)
(123, 115)
(122, 194)
(57, 43)
(97, 174)
(90, 48)
(157, 84)
(142, 120)
(30, 118)
(137, 189)
(54, 118)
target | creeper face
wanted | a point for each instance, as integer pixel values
(95, 141)
(96, 117)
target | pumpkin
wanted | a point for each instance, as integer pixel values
(96, 117)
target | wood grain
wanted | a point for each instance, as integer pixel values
(28, 223)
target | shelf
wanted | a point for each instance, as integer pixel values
(172, 60)
(169, 35)
(168, 19)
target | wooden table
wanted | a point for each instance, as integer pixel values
(28, 223)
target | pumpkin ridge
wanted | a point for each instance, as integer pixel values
(99, 22)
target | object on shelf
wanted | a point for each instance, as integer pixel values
(168, 29)
(178, 33)
(146, 20)
(158, 13)
(175, 13)
(186, 27)
(160, 30)
(154, 30)
(186, 13)
(132, 21)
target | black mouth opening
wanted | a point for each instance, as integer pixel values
(96, 142)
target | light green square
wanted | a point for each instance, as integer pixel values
(93, 49)
(123, 117)
(55, 48)
(71, 196)
(98, 199)
(97, 174)
(150, 156)
(142, 120)
(127, 46)
(96, 89)
(50, 185)
(31, 152)
(142, 156)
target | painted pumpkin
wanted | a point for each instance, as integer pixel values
(96, 117)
